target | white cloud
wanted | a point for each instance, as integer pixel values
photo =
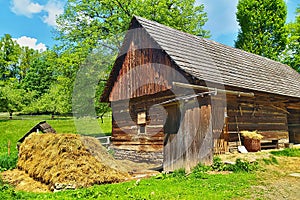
(25, 41)
(53, 8)
(25, 7)
(221, 16)
(49, 11)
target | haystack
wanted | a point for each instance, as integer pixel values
(68, 159)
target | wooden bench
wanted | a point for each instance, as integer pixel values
(105, 140)
(269, 144)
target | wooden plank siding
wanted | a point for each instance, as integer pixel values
(294, 125)
(193, 141)
(144, 70)
(265, 113)
(125, 130)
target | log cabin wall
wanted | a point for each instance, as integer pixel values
(127, 139)
(145, 69)
(294, 125)
(265, 113)
(144, 79)
(126, 132)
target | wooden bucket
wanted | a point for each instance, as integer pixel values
(252, 145)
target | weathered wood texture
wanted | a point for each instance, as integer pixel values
(193, 141)
(145, 69)
(259, 113)
(125, 129)
(294, 126)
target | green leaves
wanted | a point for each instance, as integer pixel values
(262, 25)
(88, 22)
(291, 55)
(9, 58)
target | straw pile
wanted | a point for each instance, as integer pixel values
(68, 160)
(21, 181)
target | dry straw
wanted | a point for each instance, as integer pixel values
(252, 135)
(68, 159)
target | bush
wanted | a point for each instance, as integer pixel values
(8, 162)
(287, 152)
(218, 165)
(200, 171)
(179, 173)
(243, 166)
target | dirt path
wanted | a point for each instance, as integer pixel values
(275, 182)
(280, 189)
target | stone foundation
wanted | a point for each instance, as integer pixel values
(138, 156)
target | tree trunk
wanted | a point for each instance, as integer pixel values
(52, 116)
(10, 115)
(101, 116)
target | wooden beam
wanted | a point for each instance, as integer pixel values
(199, 87)
(278, 108)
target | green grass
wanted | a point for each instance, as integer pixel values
(197, 185)
(210, 187)
(287, 152)
(13, 130)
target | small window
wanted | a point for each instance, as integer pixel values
(142, 129)
(141, 118)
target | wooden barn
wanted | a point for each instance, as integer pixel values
(173, 94)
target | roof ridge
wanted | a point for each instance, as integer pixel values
(202, 38)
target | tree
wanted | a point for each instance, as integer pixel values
(55, 101)
(89, 85)
(92, 21)
(9, 58)
(291, 56)
(13, 99)
(87, 25)
(262, 25)
(40, 73)
(26, 59)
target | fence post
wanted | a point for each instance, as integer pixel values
(8, 148)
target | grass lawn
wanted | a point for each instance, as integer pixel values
(13, 130)
(205, 186)
(210, 187)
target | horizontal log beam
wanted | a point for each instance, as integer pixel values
(199, 87)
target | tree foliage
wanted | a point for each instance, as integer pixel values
(291, 55)
(56, 101)
(13, 98)
(88, 22)
(262, 25)
(9, 58)
(40, 72)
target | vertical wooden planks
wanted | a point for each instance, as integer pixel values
(192, 143)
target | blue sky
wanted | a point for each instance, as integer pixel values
(222, 20)
(31, 22)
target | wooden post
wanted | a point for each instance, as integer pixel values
(8, 148)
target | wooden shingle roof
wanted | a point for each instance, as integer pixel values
(211, 61)
(42, 126)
